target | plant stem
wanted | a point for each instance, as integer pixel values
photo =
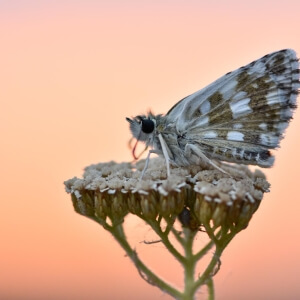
(188, 261)
(211, 290)
(118, 233)
(189, 265)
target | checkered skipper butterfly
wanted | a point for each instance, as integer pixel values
(238, 118)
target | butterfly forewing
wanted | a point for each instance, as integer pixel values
(244, 113)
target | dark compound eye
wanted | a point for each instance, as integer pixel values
(147, 125)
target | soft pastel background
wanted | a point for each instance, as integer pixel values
(70, 72)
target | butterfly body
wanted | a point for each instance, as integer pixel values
(238, 118)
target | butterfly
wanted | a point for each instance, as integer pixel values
(238, 118)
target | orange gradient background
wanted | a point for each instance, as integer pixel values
(69, 75)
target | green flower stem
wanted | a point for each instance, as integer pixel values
(118, 233)
(210, 270)
(219, 239)
(189, 261)
(165, 239)
(170, 224)
(189, 265)
(204, 251)
(177, 234)
(211, 290)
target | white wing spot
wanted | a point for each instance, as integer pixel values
(269, 140)
(235, 136)
(205, 107)
(240, 108)
(278, 96)
(239, 96)
(263, 126)
(226, 89)
(242, 153)
(203, 121)
(238, 126)
(258, 68)
(282, 126)
(210, 135)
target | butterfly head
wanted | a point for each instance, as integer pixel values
(142, 127)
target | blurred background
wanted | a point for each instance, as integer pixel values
(70, 72)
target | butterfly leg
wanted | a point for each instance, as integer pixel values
(165, 152)
(192, 148)
(147, 163)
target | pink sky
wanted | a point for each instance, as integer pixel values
(70, 74)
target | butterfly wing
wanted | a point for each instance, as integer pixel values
(244, 113)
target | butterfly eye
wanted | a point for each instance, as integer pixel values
(147, 125)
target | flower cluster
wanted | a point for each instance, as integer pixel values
(212, 198)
